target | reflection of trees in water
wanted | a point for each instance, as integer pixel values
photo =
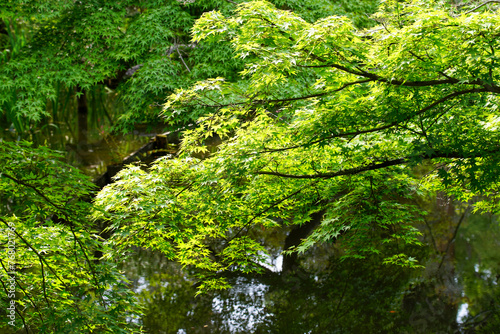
(344, 297)
(478, 269)
(322, 294)
(456, 293)
(432, 299)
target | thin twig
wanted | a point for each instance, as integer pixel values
(16, 308)
(63, 211)
(453, 237)
(25, 292)
(481, 5)
(390, 125)
(272, 206)
(40, 257)
(182, 59)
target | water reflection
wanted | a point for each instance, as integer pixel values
(478, 270)
(326, 295)
(94, 158)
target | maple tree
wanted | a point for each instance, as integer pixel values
(330, 126)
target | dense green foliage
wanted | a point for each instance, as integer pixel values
(125, 57)
(327, 119)
(59, 45)
(140, 48)
(53, 249)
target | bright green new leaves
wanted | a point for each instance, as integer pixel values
(327, 120)
(140, 48)
(347, 83)
(162, 210)
(54, 259)
(382, 200)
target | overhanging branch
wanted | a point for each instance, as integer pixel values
(373, 166)
(384, 127)
(350, 171)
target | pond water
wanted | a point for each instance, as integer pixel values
(457, 292)
(90, 145)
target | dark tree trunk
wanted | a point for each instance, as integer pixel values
(295, 237)
(3, 28)
(83, 111)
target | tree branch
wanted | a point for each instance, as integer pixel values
(385, 127)
(262, 101)
(350, 171)
(182, 59)
(314, 95)
(404, 83)
(63, 211)
(369, 167)
(481, 5)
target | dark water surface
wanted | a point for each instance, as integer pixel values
(457, 292)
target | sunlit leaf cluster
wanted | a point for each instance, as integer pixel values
(50, 249)
(327, 119)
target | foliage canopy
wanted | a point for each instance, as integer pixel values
(326, 119)
(60, 285)
(332, 122)
(140, 48)
(139, 51)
